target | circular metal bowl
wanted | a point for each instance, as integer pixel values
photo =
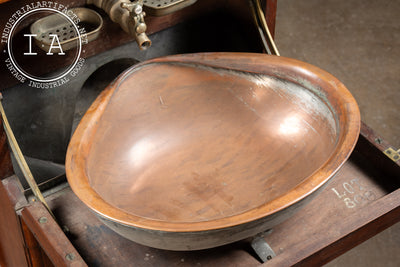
(195, 151)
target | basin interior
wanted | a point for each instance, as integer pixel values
(185, 143)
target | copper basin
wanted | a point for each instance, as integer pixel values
(195, 151)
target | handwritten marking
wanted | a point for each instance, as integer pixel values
(353, 193)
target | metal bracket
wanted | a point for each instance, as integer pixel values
(392, 154)
(261, 247)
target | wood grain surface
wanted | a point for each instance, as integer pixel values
(50, 237)
(11, 239)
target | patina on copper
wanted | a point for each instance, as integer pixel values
(195, 151)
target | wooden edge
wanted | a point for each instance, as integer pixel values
(372, 146)
(50, 236)
(11, 237)
(36, 255)
(15, 192)
(364, 224)
(6, 168)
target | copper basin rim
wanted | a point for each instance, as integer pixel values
(191, 144)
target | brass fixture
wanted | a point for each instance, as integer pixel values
(393, 154)
(45, 27)
(162, 7)
(136, 13)
(262, 26)
(129, 15)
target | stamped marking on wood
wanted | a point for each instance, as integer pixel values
(353, 193)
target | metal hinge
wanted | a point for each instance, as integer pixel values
(262, 248)
(392, 154)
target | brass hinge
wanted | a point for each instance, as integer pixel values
(392, 154)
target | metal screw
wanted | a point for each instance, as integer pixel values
(378, 140)
(65, 229)
(269, 257)
(70, 256)
(42, 220)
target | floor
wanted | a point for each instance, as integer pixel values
(358, 41)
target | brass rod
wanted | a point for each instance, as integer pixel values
(21, 160)
(260, 31)
(261, 23)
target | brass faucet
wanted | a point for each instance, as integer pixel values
(129, 15)
(136, 12)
